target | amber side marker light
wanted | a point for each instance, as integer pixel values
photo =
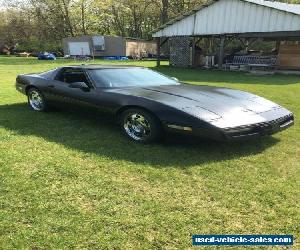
(180, 127)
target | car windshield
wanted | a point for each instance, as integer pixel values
(129, 77)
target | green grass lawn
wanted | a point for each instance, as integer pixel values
(74, 181)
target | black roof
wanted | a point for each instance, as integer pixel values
(99, 66)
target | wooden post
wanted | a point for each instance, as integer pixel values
(221, 52)
(193, 51)
(277, 45)
(158, 51)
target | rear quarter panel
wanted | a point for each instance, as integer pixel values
(24, 82)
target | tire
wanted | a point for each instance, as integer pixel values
(36, 100)
(141, 126)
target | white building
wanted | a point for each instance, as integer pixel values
(238, 18)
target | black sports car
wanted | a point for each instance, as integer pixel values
(147, 103)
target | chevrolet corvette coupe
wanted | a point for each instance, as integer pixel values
(148, 104)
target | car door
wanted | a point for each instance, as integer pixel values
(61, 93)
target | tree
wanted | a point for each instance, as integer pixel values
(41, 24)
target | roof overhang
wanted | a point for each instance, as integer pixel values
(285, 9)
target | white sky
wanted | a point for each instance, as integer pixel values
(12, 3)
(2, 5)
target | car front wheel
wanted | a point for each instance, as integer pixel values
(141, 126)
(36, 100)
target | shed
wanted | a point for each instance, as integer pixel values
(98, 46)
(103, 46)
(234, 18)
(140, 47)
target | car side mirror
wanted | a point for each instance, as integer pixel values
(79, 85)
(175, 79)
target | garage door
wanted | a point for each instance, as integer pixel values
(79, 49)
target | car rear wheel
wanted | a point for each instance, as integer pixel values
(141, 126)
(36, 100)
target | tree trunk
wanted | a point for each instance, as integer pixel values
(83, 18)
(67, 17)
(164, 12)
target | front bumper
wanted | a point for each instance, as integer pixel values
(259, 129)
(237, 133)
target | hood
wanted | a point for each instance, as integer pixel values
(212, 102)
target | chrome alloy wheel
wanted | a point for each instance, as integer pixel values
(36, 100)
(137, 126)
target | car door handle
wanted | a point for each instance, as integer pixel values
(50, 86)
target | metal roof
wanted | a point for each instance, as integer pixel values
(291, 8)
(233, 16)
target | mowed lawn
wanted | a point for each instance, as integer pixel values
(72, 180)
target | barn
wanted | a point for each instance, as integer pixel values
(243, 20)
(107, 46)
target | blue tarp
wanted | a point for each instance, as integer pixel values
(46, 56)
(115, 58)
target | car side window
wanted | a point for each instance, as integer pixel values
(72, 75)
